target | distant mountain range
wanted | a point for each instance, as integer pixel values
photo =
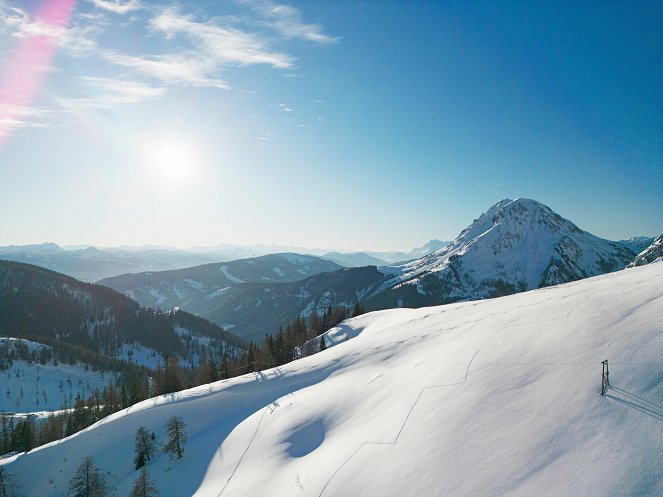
(92, 264)
(358, 259)
(516, 245)
(88, 263)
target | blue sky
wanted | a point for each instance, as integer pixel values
(341, 124)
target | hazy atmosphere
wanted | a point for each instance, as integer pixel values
(348, 125)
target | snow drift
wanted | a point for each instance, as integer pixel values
(494, 397)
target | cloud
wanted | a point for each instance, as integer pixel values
(287, 21)
(176, 69)
(285, 108)
(21, 116)
(77, 39)
(222, 45)
(115, 92)
(117, 6)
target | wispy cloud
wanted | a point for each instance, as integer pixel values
(110, 92)
(177, 69)
(23, 116)
(117, 6)
(288, 21)
(285, 108)
(224, 45)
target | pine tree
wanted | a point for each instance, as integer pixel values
(87, 481)
(358, 310)
(144, 486)
(145, 447)
(323, 344)
(177, 437)
(8, 487)
(224, 366)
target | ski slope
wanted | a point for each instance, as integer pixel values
(495, 397)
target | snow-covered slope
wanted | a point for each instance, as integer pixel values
(651, 254)
(516, 245)
(196, 289)
(29, 386)
(494, 397)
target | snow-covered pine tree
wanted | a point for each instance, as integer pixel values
(144, 486)
(145, 447)
(87, 481)
(177, 437)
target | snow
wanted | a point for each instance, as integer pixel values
(278, 271)
(160, 299)
(194, 284)
(224, 270)
(47, 387)
(216, 293)
(138, 354)
(494, 397)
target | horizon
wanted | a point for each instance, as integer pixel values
(314, 250)
(370, 127)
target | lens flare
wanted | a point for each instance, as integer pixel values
(30, 62)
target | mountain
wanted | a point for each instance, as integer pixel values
(98, 325)
(353, 259)
(198, 288)
(496, 397)
(636, 244)
(92, 264)
(253, 309)
(358, 259)
(653, 253)
(516, 245)
(428, 248)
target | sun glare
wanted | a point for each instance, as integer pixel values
(171, 161)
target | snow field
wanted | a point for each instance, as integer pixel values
(496, 397)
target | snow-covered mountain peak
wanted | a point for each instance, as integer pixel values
(515, 245)
(512, 218)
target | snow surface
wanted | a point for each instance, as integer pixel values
(494, 397)
(234, 279)
(34, 387)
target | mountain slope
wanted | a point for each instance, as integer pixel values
(252, 310)
(197, 288)
(93, 321)
(496, 397)
(652, 253)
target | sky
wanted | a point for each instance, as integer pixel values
(354, 125)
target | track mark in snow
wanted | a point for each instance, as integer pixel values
(264, 411)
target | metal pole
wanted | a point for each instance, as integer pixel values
(605, 377)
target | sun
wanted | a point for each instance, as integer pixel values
(171, 161)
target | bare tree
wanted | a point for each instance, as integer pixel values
(177, 437)
(88, 480)
(144, 486)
